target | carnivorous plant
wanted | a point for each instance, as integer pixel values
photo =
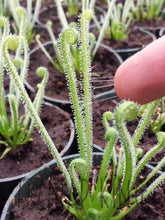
(3, 7)
(147, 9)
(75, 49)
(102, 201)
(15, 127)
(119, 21)
(30, 16)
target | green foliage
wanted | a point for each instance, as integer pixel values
(72, 7)
(147, 9)
(27, 14)
(159, 121)
(58, 62)
(3, 7)
(102, 202)
(15, 127)
(119, 21)
(75, 49)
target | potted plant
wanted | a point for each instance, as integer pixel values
(121, 32)
(19, 139)
(3, 7)
(149, 14)
(29, 15)
(118, 200)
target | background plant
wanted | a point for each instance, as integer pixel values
(158, 121)
(15, 127)
(31, 15)
(75, 49)
(119, 20)
(72, 7)
(147, 9)
(3, 7)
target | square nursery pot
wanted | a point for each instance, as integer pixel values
(30, 158)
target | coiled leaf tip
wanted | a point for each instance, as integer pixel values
(71, 36)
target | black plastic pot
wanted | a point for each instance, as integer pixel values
(154, 164)
(128, 52)
(154, 30)
(107, 95)
(161, 32)
(33, 181)
(66, 104)
(8, 184)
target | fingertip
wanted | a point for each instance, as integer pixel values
(141, 78)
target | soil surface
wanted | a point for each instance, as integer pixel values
(137, 38)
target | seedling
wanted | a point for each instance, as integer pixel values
(72, 7)
(30, 16)
(119, 21)
(149, 9)
(15, 127)
(158, 122)
(3, 7)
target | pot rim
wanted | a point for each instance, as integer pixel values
(136, 49)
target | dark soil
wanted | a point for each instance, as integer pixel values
(34, 154)
(136, 39)
(45, 203)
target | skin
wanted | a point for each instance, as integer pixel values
(141, 78)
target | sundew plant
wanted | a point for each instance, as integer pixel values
(72, 7)
(158, 122)
(29, 13)
(147, 9)
(16, 127)
(94, 43)
(113, 194)
(119, 20)
(75, 49)
(3, 7)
